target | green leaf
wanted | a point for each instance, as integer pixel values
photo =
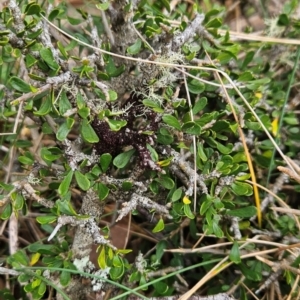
(74, 21)
(164, 137)
(207, 201)
(176, 195)
(135, 48)
(234, 255)
(103, 191)
(6, 187)
(21, 258)
(96, 170)
(160, 287)
(3, 41)
(153, 153)
(82, 181)
(251, 275)
(25, 160)
(135, 276)
(64, 104)
(191, 128)
(18, 202)
(152, 104)
(80, 101)
(4, 32)
(6, 212)
(64, 185)
(20, 85)
(105, 161)
(112, 70)
(127, 185)
(88, 132)
(253, 125)
(64, 278)
(201, 152)
(42, 288)
(47, 56)
(187, 211)
(121, 160)
(242, 188)
(246, 76)
(224, 149)
(117, 271)
(103, 6)
(46, 219)
(64, 129)
(36, 77)
(117, 261)
(101, 258)
(245, 212)
(220, 125)
(45, 107)
(53, 14)
(112, 95)
(23, 278)
(32, 9)
(196, 87)
(283, 20)
(62, 50)
(50, 154)
(160, 247)
(154, 187)
(199, 105)
(116, 125)
(30, 60)
(71, 45)
(159, 226)
(123, 251)
(166, 182)
(217, 230)
(256, 84)
(243, 176)
(84, 112)
(215, 23)
(65, 206)
(143, 282)
(248, 58)
(172, 121)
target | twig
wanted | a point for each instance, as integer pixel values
(6, 271)
(27, 96)
(18, 23)
(145, 202)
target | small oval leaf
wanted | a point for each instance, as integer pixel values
(245, 212)
(172, 121)
(105, 161)
(20, 85)
(235, 253)
(88, 132)
(159, 226)
(82, 181)
(122, 159)
(64, 185)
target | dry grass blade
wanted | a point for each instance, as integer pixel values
(259, 38)
(294, 175)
